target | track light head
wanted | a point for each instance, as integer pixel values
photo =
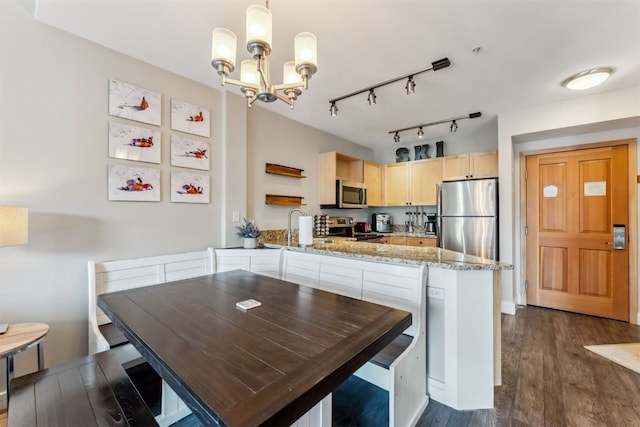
(333, 110)
(453, 127)
(371, 97)
(396, 137)
(410, 86)
(420, 133)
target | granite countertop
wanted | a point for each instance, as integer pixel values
(394, 254)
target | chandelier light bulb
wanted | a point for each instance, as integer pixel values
(249, 71)
(259, 24)
(223, 50)
(255, 76)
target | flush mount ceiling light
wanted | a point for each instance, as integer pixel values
(255, 79)
(588, 79)
(453, 127)
(410, 86)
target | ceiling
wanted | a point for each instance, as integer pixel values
(527, 49)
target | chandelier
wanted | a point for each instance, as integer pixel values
(255, 79)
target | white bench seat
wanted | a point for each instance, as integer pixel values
(400, 368)
(112, 276)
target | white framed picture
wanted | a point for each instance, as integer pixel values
(134, 143)
(189, 153)
(134, 184)
(189, 187)
(190, 118)
(134, 103)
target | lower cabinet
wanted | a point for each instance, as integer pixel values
(462, 317)
(394, 240)
(261, 261)
(409, 241)
(421, 241)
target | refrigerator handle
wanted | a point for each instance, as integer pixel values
(438, 215)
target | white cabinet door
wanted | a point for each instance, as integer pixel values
(394, 286)
(341, 279)
(303, 269)
(261, 261)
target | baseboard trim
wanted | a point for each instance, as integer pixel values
(507, 307)
(435, 390)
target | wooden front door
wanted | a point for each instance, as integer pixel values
(573, 200)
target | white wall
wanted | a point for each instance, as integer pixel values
(481, 138)
(275, 139)
(53, 160)
(595, 118)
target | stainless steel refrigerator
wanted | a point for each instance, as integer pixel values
(468, 217)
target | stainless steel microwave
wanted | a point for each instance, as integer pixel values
(349, 195)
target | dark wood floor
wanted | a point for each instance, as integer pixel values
(549, 379)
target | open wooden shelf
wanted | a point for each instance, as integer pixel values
(284, 170)
(276, 199)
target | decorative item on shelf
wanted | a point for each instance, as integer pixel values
(250, 232)
(274, 169)
(276, 199)
(440, 149)
(254, 74)
(410, 87)
(453, 127)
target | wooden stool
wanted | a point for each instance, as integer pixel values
(19, 337)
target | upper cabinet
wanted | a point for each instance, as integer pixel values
(472, 165)
(412, 183)
(337, 166)
(396, 184)
(373, 173)
(424, 179)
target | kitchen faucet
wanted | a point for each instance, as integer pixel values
(289, 234)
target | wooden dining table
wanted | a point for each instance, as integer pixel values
(264, 366)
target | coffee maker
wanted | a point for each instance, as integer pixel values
(382, 223)
(430, 225)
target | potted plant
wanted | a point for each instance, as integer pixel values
(250, 232)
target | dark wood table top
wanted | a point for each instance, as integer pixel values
(268, 365)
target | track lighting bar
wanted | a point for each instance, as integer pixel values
(410, 87)
(454, 125)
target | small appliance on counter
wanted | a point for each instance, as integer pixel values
(320, 226)
(382, 223)
(430, 225)
(340, 226)
(362, 227)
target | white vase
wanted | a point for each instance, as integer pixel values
(250, 242)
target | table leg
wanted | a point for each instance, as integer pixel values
(40, 356)
(9, 374)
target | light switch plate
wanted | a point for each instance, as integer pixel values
(236, 216)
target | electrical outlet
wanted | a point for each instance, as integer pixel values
(436, 293)
(236, 216)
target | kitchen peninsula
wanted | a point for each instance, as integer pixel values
(463, 309)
